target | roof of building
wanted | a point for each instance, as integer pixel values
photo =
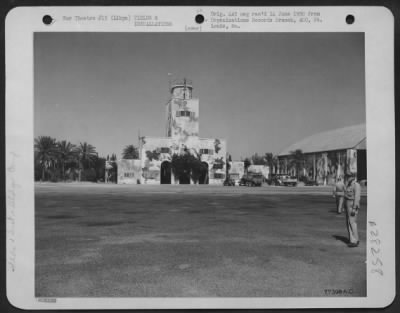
(337, 139)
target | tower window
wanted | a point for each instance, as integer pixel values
(184, 113)
(207, 151)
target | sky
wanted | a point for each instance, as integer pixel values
(259, 91)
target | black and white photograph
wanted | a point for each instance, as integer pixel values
(190, 164)
(201, 165)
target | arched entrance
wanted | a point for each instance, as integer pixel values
(203, 178)
(165, 177)
(184, 179)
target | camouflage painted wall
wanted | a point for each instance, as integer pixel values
(309, 166)
(213, 151)
(129, 171)
(282, 167)
(341, 163)
(183, 121)
(331, 165)
(321, 167)
(328, 165)
(154, 151)
(351, 161)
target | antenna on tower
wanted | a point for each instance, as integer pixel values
(184, 88)
(139, 144)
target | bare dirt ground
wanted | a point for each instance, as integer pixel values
(97, 240)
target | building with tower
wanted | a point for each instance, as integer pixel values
(181, 136)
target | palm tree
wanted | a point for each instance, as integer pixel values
(66, 153)
(247, 164)
(45, 153)
(130, 152)
(87, 156)
(228, 165)
(297, 160)
(113, 172)
(271, 160)
(257, 159)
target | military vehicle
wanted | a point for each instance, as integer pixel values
(251, 179)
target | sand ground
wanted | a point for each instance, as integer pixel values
(98, 240)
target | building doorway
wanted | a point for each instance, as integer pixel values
(165, 177)
(184, 179)
(203, 178)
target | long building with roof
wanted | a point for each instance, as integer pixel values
(328, 154)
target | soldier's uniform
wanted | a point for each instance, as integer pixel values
(352, 196)
(338, 193)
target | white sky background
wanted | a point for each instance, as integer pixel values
(260, 91)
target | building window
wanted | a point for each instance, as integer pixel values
(207, 151)
(218, 175)
(184, 113)
(162, 150)
(218, 166)
(129, 175)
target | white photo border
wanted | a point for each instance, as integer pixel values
(377, 23)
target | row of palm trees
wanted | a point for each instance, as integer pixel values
(61, 158)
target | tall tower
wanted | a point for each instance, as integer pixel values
(183, 114)
(181, 89)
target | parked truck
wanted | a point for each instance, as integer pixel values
(251, 179)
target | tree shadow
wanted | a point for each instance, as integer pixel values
(341, 238)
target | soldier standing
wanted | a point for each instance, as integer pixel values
(338, 194)
(352, 196)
